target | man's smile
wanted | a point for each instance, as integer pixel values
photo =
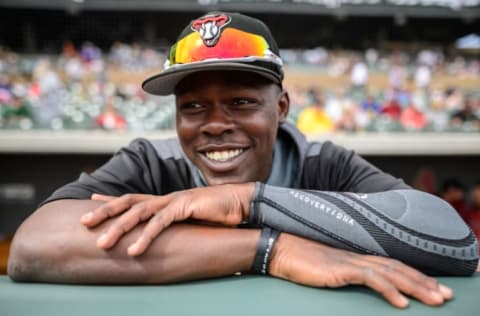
(223, 155)
(223, 158)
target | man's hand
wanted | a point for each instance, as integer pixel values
(224, 204)
(310, 263)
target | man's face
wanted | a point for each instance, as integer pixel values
(227, 124)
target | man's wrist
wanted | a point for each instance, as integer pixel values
(246, 195)
(276, 257)
(265, 245)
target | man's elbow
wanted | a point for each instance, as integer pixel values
(447, 242)
(45, 247)
(38, 253)
(24, 261)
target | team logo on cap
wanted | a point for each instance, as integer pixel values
(210, 27)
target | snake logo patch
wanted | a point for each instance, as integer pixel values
(210, 27)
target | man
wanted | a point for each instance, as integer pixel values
(175, 210)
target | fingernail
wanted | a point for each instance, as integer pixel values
(132, 250)
(404, 301)
(436, 296)
(445, 290)
(87, 217)
(102, 240)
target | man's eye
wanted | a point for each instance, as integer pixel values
(191, 107)
(243, 101)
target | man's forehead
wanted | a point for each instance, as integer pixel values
(201, 80)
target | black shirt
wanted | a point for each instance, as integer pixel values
(160, 167)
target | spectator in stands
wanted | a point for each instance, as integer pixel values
(359, 77)
(422, 76)
(425, 180)
(428, 58)
(110, 119)
(412, 119)
(16, 109)
(314, 119)
(74, 69)
(453, 99)
(391, 108)
(371, 105)
(334, 104)
(437, 117)
(46, 87)
(371, 57)
(466, 115)
(453, 192)
(352, 119)
(398, 74)
(89, 52)
(92, 58)
(68, 50)
(5, 89)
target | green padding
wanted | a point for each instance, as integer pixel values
(242, 295)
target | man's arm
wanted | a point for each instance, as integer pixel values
(412, 226)
(408, 225)
(52, 246)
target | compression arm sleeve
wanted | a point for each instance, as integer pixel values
(415, 227)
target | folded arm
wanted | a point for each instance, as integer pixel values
(52, 246)
(412, 226)
(408, 225)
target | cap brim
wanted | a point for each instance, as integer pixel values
(165, 82)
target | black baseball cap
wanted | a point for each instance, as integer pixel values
(219, 41)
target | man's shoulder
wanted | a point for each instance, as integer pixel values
(164, 149)
(320, 149)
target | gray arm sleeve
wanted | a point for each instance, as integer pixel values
(415, 227)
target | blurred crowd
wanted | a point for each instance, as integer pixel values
(82, 88)
(407, 100)
(85, 88)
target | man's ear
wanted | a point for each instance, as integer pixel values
(283, 106)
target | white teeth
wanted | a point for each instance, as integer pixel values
(223, 155)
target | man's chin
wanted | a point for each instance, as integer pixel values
(227, 179)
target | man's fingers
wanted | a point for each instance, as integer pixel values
(109, 209)
(418, 290)
(412, 282)
(446, 291)
(139, 246)
(380, 284)
(102, 197)
(175, 211)
(155, 226)
(125, 223)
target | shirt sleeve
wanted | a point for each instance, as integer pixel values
(133, 169)
(335, 168)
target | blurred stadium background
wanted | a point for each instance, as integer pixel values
(396, 80)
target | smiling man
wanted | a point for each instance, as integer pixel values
(225, 120)
(241, 190)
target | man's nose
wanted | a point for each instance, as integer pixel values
(218, 121)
